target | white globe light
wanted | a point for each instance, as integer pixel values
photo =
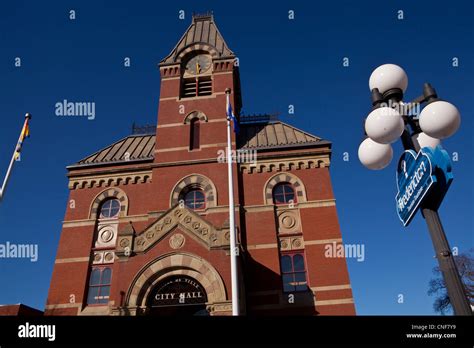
(440, 119)
(424, 140)
(373, 155)
(384, 125)
(388, 76)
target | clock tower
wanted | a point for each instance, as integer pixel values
(194, 76)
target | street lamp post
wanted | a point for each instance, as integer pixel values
(391, 119)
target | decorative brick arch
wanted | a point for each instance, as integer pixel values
(175, 264)
(109, 193)
(195, 114)
(197, 181)
(197, 46)
(281, 178)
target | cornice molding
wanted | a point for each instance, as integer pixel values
(108, 180)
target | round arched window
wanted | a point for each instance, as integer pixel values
(110, 208)
(195, 199)
(284, 194)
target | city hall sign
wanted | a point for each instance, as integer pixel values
(177, 291)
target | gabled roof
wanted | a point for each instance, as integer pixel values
(203, 30)
(275, 135)
(131, 148)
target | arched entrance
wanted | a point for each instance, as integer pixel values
(154, 276)
(177, 295)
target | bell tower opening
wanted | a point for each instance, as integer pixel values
(177, 295)
(196, 78)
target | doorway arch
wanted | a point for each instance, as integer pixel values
(177, 295)
(170, 265)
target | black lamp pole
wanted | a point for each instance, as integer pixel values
(454, 285)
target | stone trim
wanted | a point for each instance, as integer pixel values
(220, 308)
(222, 72)
(316, 303)
(181, 123)
(300, 205)
(279, 165)
(331, 287)
(323, 241)
(96, 310)
(186, 148)
(211, 50)
(301, 246)
(282, 178)
(78, 223)
(91, 222)
(63, 305)
(178, 99)
(195, 114)
(171, 149)
(195, 180)
(334, 302)
(188, 221)
(110, 193)
(171, 78)
(291, 243)
(110, 180)
(262, 246)
(172, 264)
(73, 259)
(315, 288)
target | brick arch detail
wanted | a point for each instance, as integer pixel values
(106, 194)
(195, 114)
(281, 178)
(175, 264)
(196, 180)
(199, 46)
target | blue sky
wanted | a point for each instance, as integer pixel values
(283, 62)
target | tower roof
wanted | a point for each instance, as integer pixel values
(202, 34)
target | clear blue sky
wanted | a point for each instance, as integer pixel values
(283, 62)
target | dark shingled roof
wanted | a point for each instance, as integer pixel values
(275, 134)
(202, 30)
(138, 147)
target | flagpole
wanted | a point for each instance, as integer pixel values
(233, 238)
(12, 161)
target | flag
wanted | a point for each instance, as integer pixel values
(25, 132)
(231, 116)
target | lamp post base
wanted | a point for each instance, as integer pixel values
(454, 286)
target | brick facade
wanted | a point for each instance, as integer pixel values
(155, 237)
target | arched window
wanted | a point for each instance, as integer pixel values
(194, 134)
(194, 199)
(110, 208)
(99, 285)
(284, 193)
(293, 272)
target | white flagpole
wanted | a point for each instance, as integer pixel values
(233, 238)
(12, 161)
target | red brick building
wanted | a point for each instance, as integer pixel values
(146, 229)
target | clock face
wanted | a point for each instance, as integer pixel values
(198, 64)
